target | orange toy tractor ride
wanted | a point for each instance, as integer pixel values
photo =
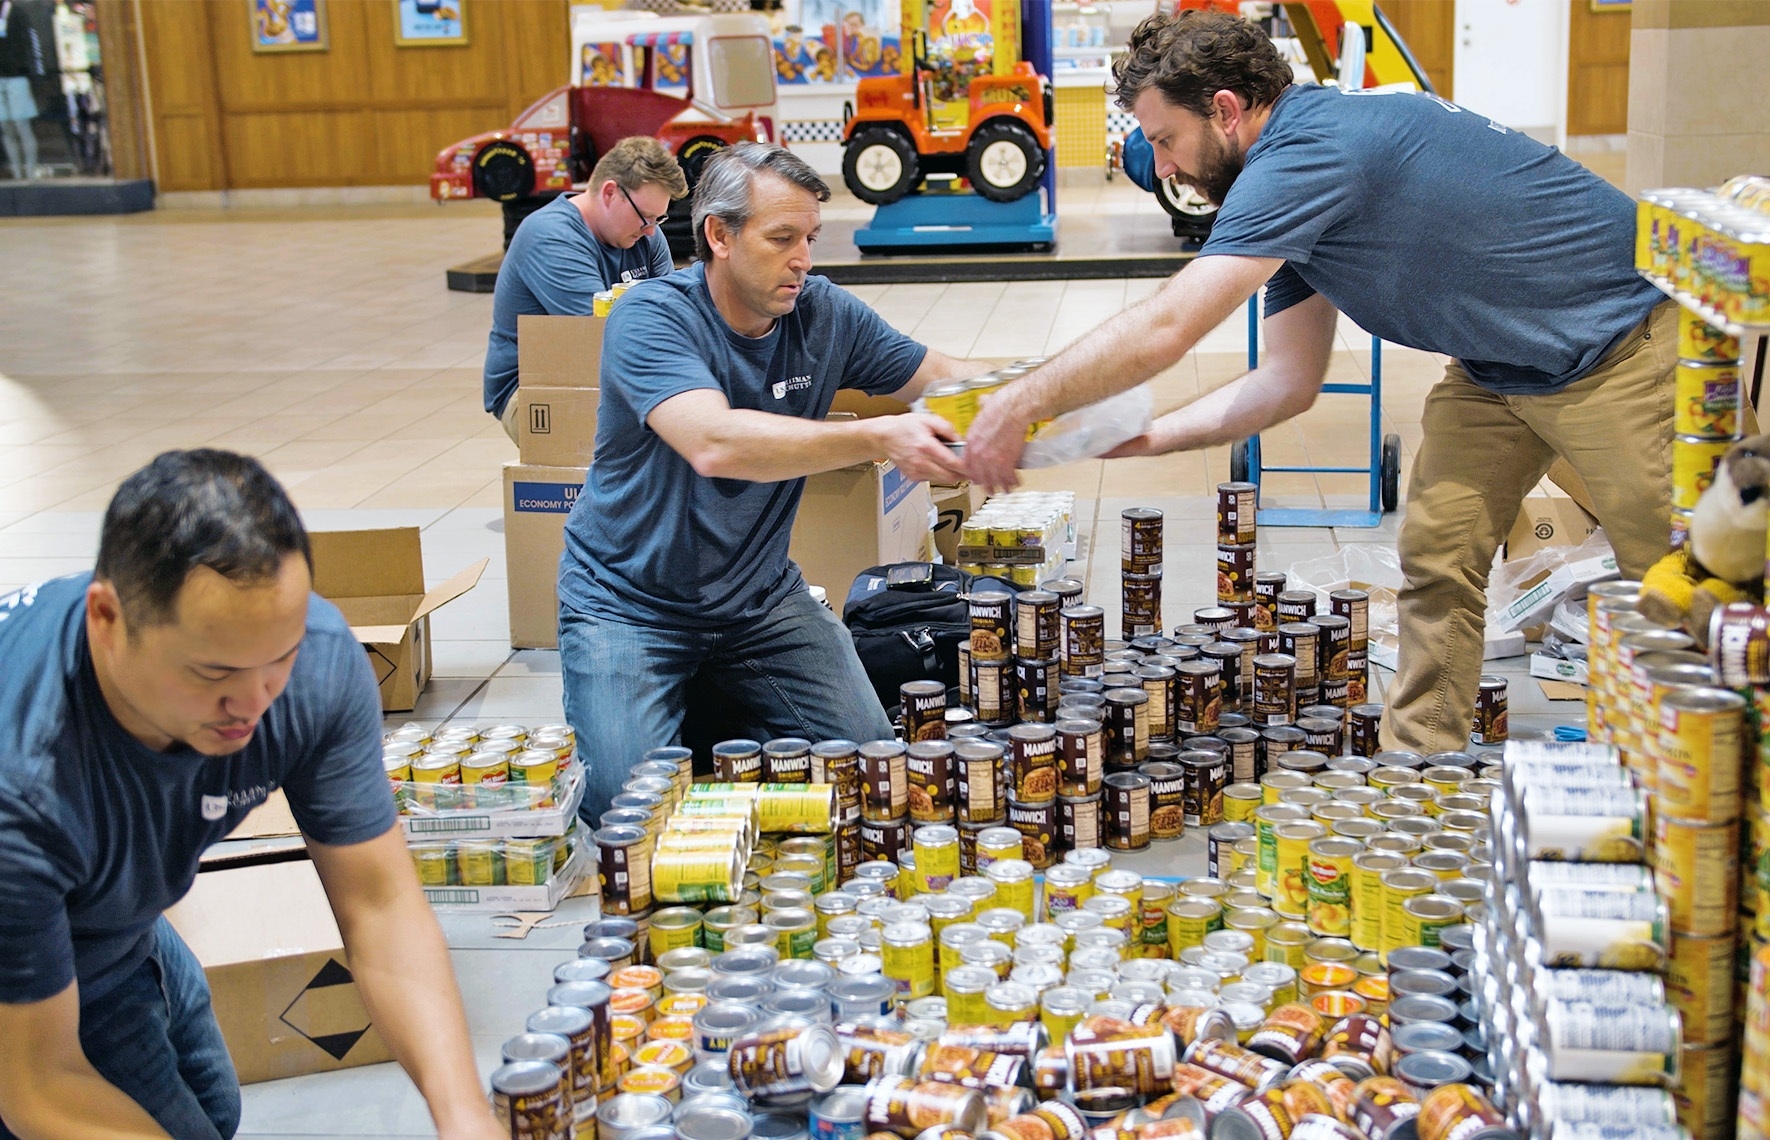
(992, 130)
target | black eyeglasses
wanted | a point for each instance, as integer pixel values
(648, 223)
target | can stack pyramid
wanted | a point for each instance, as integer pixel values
(1706, 416)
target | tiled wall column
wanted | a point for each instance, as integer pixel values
(1699, 92)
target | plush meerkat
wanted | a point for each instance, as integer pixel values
(1723, 560)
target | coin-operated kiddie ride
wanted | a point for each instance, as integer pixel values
(956, 149)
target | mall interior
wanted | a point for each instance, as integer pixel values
(1201, 814)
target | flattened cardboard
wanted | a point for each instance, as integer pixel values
(556, 427)
(283, 993)
(376, 578)
(559, 352)
(870, 515)
(537, 502)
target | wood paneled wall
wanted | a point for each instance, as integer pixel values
(1597, 72)
(1429, 29)
(365, 112)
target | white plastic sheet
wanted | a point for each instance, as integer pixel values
(1090, 432)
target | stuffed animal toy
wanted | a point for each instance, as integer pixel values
(1723, 559)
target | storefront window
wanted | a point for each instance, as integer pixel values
(52, 97)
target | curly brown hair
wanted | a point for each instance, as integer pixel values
(1191, 55)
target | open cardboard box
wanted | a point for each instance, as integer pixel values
(283, 992)
(537, 502)
(376, 577)
(1557, 512)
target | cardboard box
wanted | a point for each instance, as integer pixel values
(556, 427)
(559, 352)
(870, 515)
(953, 504)
(376, 577)
(1548, 518)
(270, 947)
(537, 500)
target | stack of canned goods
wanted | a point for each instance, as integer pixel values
(1710, 246)
(461, 770)
(1336, 860)
(1705, 415)
(1140, 573)
(957, 401)
(1591, 1004)
(1023, 537)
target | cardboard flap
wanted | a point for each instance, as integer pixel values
(380, 634)
(452, 589)
(367, 563)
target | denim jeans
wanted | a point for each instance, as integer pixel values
(154, 1037)
(793, 672)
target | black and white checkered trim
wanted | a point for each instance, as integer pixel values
(812, 130)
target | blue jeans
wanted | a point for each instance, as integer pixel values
(154, 1037)
(793, 672)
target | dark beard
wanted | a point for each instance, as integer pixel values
(1220, 169)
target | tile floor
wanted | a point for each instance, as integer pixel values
(324, 342)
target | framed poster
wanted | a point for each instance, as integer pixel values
(288, 25)
(429, 23)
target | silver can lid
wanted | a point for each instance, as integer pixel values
(527, 1078)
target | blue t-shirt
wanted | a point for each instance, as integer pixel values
(1433, 227)
(555, 267)
(99, 834)
(650, 540)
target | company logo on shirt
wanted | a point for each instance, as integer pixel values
(214, 807)
(794, 384)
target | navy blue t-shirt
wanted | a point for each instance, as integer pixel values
(1436, 228)
(555, 267)
(100, 834)
(649, 539)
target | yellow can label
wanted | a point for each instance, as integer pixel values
(912, 968)
(1696, 869)
(1395, 918)
(1699, 985)
(1698, 776)
(1699, 340)
(967, 1009)
(1240, 809)
(1064, 897)
(682, 876)
(1328, 885)
(1693, 468)
(1017, 894)
(1707, 400)
(936, 867)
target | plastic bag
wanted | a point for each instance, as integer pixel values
(1090, 432)
(1374, 569)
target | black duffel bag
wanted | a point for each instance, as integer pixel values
(907, 621)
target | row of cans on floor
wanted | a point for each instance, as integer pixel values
(1574, 992)
(1034, 528)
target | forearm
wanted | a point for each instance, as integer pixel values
(1245, 406)
(76, 1103)
(401, 964)
(761, 447)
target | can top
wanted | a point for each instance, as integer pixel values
(526, 1078)
(1430, 1069)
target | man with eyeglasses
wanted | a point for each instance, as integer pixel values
(577, 246)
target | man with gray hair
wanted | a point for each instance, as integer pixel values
(716, 381)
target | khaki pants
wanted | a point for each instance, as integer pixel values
(508, 419)
(1480, 455)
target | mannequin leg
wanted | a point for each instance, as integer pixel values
(9, 138)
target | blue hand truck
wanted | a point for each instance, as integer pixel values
(1384, 468)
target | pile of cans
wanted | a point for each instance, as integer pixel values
(468, 770)
(1594, 1008)
(958, 401)
(1710, 246)
(1023, 537)
(1705, 417)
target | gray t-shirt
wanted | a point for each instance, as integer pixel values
(555, 267)
(651, 541)
(1436, 228)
